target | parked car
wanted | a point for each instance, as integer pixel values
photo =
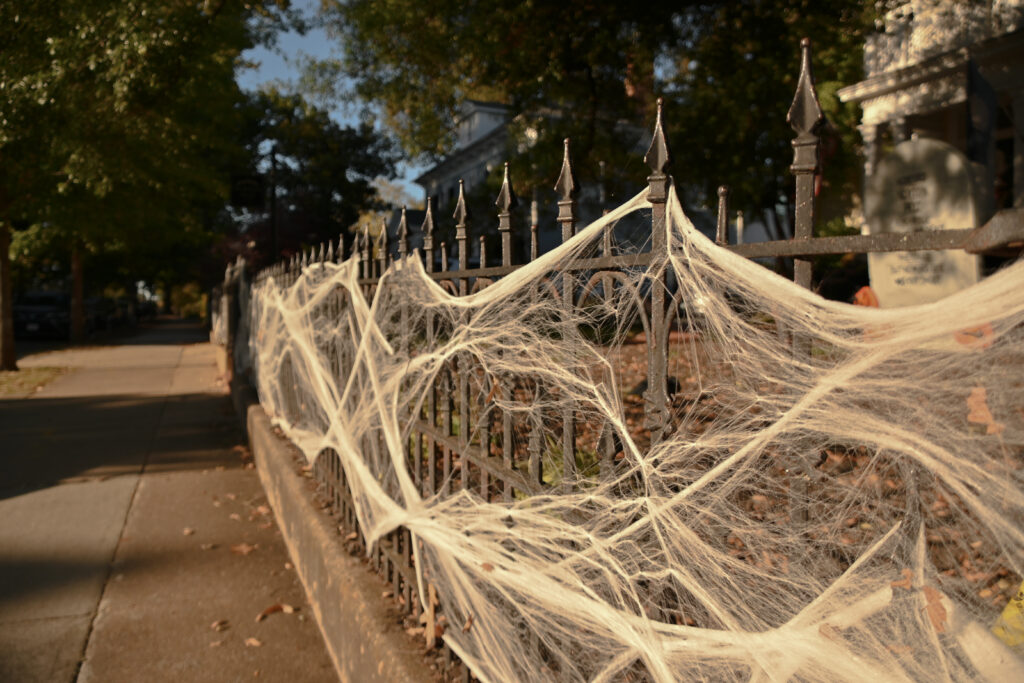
(42, 314)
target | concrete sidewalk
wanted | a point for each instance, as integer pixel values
(135, 538)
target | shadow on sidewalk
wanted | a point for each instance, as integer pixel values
(52, 441)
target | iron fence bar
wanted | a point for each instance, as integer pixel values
(567, 189)
(656, 401)
(805, 117)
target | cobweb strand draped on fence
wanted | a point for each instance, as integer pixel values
(837, 493)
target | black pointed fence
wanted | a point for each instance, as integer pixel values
(440, 454)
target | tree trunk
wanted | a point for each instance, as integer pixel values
(77, 295)
(8, 359)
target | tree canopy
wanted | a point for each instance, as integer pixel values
(323, 173)
(115, 121)
(593, 72)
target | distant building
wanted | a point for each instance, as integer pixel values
(481, 137)
(953, 71)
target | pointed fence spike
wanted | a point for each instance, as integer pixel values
(341, 247)
(805, 113)
(566, 187)
(461, 232)
(330, 250)
(461, 212)
(805, 117)
(403, 235)
(659, 156)
(428, 235)
(507, 201)
(383, 253)
(322, 255)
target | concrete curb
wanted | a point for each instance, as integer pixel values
(365, 641)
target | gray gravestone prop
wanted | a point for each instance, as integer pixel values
(922, 185)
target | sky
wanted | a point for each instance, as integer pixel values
(280, 65)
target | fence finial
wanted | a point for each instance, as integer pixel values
(507, 201)
(805, 114)
(341, 248)
(321, 255)
(461, 223)
(330, 250)
(566, 187)
(383, 252)
(428, 235)
(403, 236)
(659, 156)
(805, 117)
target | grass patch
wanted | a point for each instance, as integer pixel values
(26, 381)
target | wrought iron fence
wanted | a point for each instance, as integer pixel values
(506, 460)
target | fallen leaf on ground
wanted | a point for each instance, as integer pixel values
(352, 536)
(231, 496)
(207, 546)
(288, 565)
(253, 642)
(978, 412)
(220, 625)
(279, 607)
(906, 582)
(216, 643)
(262, 510)
(188, 531)
(243, 548)
(235, 516)
(936, 612)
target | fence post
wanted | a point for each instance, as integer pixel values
(804, 117)
(656, 402)
(507, 201)
(403, 236)
(461, 217)
(567, 189)
(428, 236)
(722, 233)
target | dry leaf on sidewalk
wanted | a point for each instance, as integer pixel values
(253, 642)
(243, 548)
(188, 531)
(220, 625)
(279, 607)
